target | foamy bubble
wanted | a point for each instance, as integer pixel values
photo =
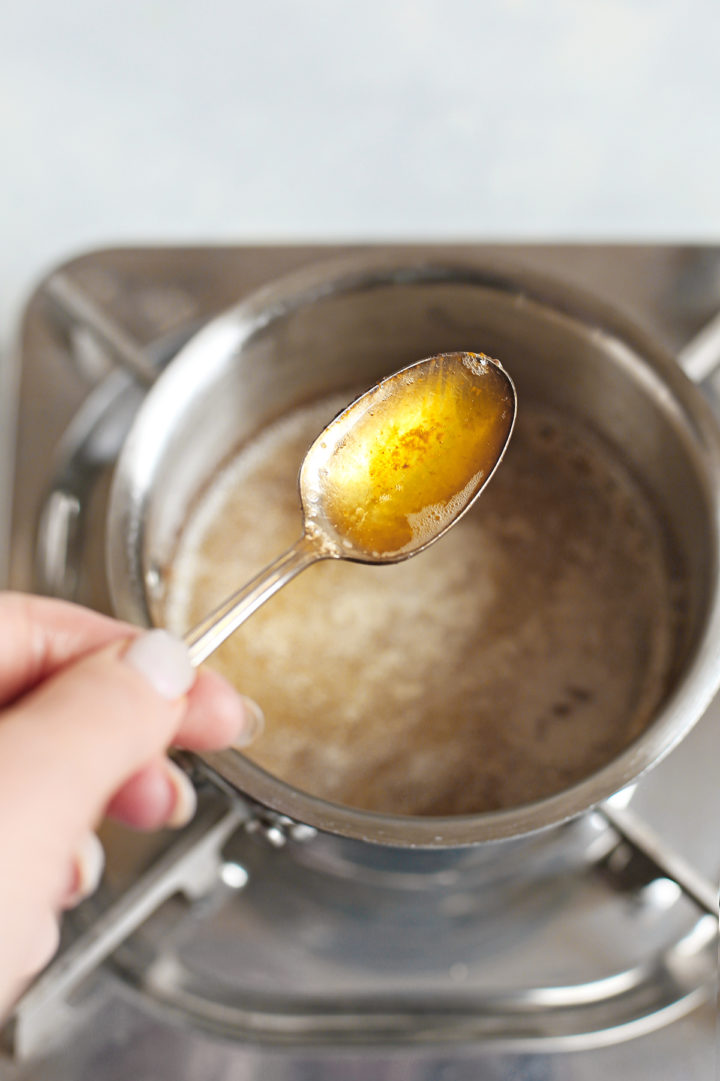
(477, 363)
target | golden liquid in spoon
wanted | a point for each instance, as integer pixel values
(425, 444)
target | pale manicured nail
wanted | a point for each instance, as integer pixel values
(88, 866)
(185, 797)
(253, 723)
(164, 661)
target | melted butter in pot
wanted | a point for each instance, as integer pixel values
(508, 661)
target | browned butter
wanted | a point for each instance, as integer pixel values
(412, 462)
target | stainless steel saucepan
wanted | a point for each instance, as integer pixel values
(346, 324)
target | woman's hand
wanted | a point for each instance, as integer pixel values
(88, 707)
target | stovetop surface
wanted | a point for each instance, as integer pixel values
(157, 295)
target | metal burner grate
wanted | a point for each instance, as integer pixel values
(607, 930)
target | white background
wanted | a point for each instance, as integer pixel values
(325, 119)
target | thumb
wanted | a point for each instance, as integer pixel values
(66, 747)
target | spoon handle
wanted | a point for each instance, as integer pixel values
(205, 637)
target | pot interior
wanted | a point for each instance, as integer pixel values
(597, 407)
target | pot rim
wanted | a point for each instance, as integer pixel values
(235, 328)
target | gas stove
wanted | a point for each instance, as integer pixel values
(247, 945)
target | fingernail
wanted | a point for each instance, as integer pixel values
(164, 661)
(184, 797)
(88, 866)
(253, 723)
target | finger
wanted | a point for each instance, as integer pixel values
(158, 795)
(67, 746)
(217, 716)
(38, 636)
(43, 945)
(85, 871)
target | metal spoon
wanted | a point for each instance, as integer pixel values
(388, 476)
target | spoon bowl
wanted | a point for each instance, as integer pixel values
(388, 476)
